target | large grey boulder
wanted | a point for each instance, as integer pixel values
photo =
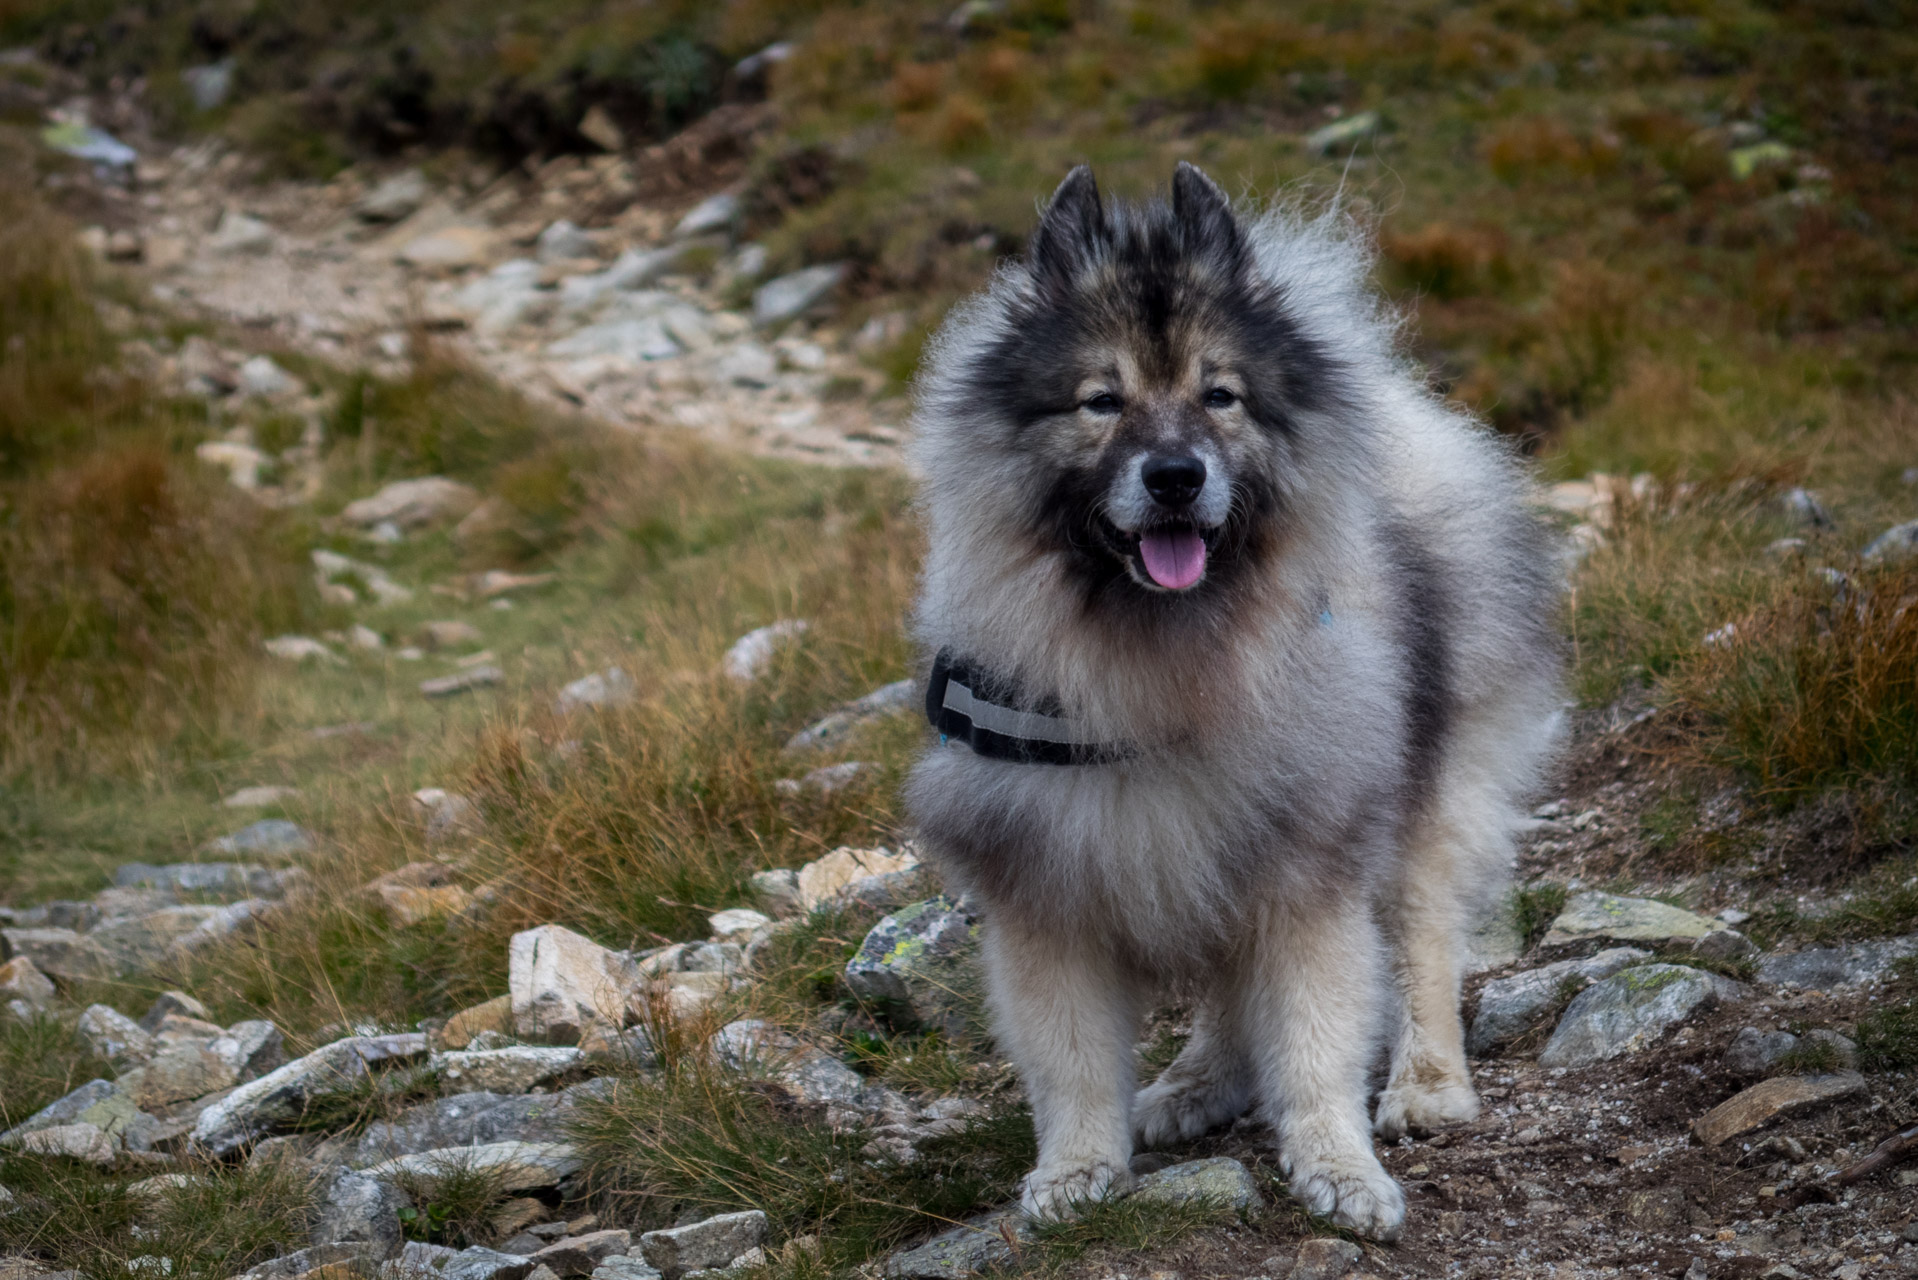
(714, 1242)
(60, 954)
(1754, 1053)
(1630, 1010)
(1834, 968)
(1509, 1007)
(256, 1107)
(112, 1035)
(1622, 919)
(22, 982)
(357, 1209)
(922, 964)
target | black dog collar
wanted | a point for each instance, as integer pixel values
(984, 712)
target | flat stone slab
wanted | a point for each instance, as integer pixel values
(511, 1070)
(1509, 1007)
(714, 1242)
(986, 1241)
(256, 1107)
(1771, 1100)
(1219, 1180)
(1630, 1010)
(1620, 919)
(1832, 968)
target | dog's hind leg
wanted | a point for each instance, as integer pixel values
(1066, 1016)
(1430, 1085)
(1209, 1083)
(1309, 1009)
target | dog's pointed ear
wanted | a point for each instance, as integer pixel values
(1073, 225)
(1205, 212)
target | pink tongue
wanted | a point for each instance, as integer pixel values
(1175, 559)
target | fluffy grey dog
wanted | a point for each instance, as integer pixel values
(1246, 657)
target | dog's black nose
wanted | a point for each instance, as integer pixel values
(1173, 480)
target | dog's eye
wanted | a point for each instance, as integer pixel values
(1220, 398)
(1104, 402)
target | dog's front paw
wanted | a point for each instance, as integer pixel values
(1419, 1109)
(1354, 1191)
(1060, 1191)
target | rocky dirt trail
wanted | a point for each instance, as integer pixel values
(592, 283)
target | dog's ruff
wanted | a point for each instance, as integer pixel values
(1182, 495)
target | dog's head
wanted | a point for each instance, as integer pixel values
(1145, 382)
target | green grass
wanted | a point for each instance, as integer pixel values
(1888, 1035)
(42, 1059)
(1534, 907)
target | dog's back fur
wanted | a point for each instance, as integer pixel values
(1345, 713)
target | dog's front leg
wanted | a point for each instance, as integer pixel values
(1310, 1009)
(1067, 1019)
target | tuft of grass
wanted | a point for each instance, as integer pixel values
(1534, 907)
(454, 1203)
(217, 1223)
(1888, 1035)
(42, 1059)
(378, 1095)
(695, 1138)
(1128, 1225)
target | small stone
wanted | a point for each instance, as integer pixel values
(259, 797)
(1509, 1007)
(298, 649)
(1803, 507)
(563, 241)
(516, 1166)
(321, 1262)
(892, 699)
(1325, 1259)
(261, 377)
(746, 364)
(1895, 545)
(822, 880)
(240, 233)
(449, 249)
(395, 198)
(627, 1268)
(1785, 548)
(409, 905)
(713, 215)
(1630, 1010)
(1725, 944)
(413, 503)
(1754, 1053)
(450, 635)
(479, 1263)
(60, 954)
(714, 1242)
(1606, 915)
(1341, 136)
(809, 1073)
(791, 296)
(736, 924)
(21, 980)
(464, 682)
(112, 1035)
(598, 127)
(1771, 1100)
(561, 982)
(269, 836)
(779, 888)
(579, 1255)
(510, 1070)
(610, 688)
(1219, 1180)
(922, 964)
(752, 654)
(492, 1015)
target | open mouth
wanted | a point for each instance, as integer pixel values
(1171, 555)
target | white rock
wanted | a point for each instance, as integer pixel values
(714, 1242)
(713, 215)
(510, 1070)
(448, 249)
(736, 924)
(261, 377)
(1622, 919)
(562, 982)
(22, 981)
(791, 296)
(610, 688)
(238, 233)
(1895, 545)
(821, 880)
(412, 503)
(85, 1142)
(753, 652)
(1508, 1007)
(395, 198)
(637, 340)
(1630, 1010)
(464, 682)
(564, 240)
(299, 649)
(241, 462)
(259, 797)
(746, 364)
(519, 1166)
(113, 1035)
(360, 636)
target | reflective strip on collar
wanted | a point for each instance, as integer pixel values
(1011, 723)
